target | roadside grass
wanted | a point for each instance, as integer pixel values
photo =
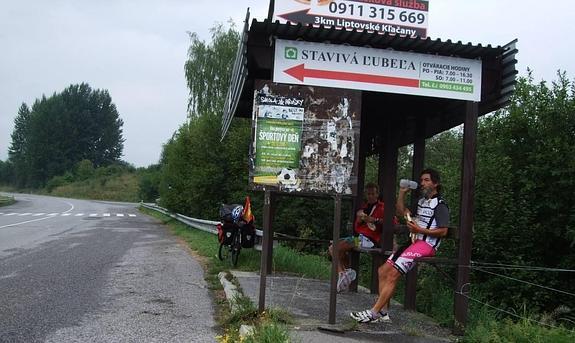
(434, 298)
(485, 324)
(6, 200)
(269, 326)
(120, 187)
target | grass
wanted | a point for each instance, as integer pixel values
(269, 326)
(435, 298)
(120, 187)
(6, 200)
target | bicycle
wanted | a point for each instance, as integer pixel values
(236, 231)
(231, 250)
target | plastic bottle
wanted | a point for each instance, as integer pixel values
(408, 183)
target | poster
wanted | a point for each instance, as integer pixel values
(305, 139)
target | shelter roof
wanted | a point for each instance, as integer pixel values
(255, 61)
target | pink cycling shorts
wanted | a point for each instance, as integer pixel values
(403, 260)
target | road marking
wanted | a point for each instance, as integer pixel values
(39, 219)
(67, 214)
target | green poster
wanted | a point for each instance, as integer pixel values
(278, 144)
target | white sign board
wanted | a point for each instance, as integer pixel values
(403, 17)
(379, 70)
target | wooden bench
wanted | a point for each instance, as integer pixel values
(378, 257)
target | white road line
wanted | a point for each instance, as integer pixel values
(66, 214)
(119, 214)
(11, 214)
(79, 214)
(93, 214)
(106, 215)
(38, 214)
(24, 214)
(53, 214)
(39, 219)
(131, 215)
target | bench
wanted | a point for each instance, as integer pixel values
(378, 257)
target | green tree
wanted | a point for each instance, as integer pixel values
(524, 210)
(208, 70)
(62, 130)
(17, 152)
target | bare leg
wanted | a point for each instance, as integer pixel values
(343, 255)
(388, 277)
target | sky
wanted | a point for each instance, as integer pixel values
(136, 49)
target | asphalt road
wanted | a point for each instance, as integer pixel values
(92, 271)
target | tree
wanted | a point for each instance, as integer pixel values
(17, 152)
(524, 209)
(62, 130)
(208, 70)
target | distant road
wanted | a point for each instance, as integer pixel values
(94, 271)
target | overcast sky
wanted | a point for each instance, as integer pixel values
(137, 49)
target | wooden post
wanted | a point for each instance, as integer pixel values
(266, 241)
(418, 160)
(418, 165)
(334, 260)
(389, 179)
(270, 248)
(357, 201)
(410, 288)
(462, 287)
(387, 176)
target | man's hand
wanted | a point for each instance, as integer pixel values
(413, 227)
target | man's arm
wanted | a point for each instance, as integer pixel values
(400, 208)
(437, 232)
(442, 220)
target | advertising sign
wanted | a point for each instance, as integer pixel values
(379, 70)
(305, 139)
(403, 17)
(278, 136)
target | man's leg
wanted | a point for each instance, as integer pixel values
(343, 247)
(388, 277)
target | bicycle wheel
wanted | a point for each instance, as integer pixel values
(223, 252)
(235, 249)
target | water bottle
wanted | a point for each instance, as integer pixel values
(408, 184)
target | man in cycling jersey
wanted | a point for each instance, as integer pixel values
(429, 226)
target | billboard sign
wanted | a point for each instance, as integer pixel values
(379, 70)
(305, 139)
(403, 17)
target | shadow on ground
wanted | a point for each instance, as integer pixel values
(308, 301)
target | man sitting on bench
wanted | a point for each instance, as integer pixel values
(369, 224)
(429, 226)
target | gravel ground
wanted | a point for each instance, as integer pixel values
(156, 293)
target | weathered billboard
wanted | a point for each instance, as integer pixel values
(305, 139)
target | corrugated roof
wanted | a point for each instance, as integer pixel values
(255, 61)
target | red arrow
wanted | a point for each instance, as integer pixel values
(300, 72)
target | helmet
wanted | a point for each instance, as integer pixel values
(237, 213)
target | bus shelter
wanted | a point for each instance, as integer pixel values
(287, 78)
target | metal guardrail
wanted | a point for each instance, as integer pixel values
(200, 224)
